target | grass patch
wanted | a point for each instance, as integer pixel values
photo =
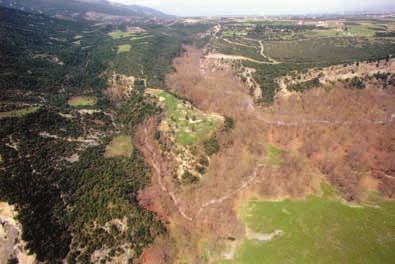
(189, 125)
(19, 112)
(124, 48)
(120, 34)
(319, 230)
(141, 37)
(273, 155)
(231, 33)
(120, 146)
(78, 101)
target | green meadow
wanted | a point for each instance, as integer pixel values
(123, 48)
(78, 101)
(190, 126)
(319, 230)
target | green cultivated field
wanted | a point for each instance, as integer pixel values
(78, 101)
(189, 124)
(318, 230)
(123, 48)
(120, 34)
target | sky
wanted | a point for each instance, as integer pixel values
(260, 7)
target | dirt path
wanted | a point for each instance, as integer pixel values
(238, 44)
(151, 153)
(269, 59)
(219, 56)
(262, 51)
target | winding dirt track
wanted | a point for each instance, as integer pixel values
(155, 160)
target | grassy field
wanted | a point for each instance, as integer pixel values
(120, 146)
(319, 230)
(124, 48)
(363, 29)
(19, 112)
(78, 101)
(120, 34)
(190, 126)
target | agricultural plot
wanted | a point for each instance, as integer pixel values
(329, 51)
(124, 48)
(304, 54)
(231, 33)
(317, 230)
(120, 34)
(353, 29)
(189, 125)
(81, 101)
(298, 47)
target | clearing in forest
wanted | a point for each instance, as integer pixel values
(123, 48)
(78, 101)
(120, 146)
(120, 34)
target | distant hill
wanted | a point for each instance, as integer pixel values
(96, 10)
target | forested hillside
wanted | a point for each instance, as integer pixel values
(78, 8)
(76, 200)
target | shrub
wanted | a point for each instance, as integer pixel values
(357, 82)
(211, 146)
(189, 178)
(229, 123)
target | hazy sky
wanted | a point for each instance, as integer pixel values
(258, 7)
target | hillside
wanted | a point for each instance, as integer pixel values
(100, 10)
(125, 138)
(68, 167)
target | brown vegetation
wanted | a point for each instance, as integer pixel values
(203, 213)
(280, 151)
